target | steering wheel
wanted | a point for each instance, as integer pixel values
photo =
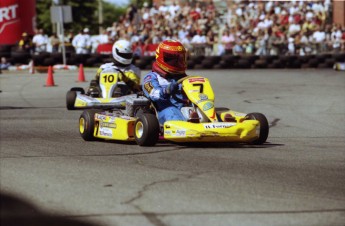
(174, 93)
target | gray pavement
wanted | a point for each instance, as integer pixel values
(48, 173)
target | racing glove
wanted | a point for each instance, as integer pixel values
(172, 87)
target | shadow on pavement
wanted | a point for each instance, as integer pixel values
(15, 211)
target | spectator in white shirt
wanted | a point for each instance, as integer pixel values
(174, 8)
(198, 38)
(294, 28)
(163, 8)
(182, 33)
(336, 39)
(154, 10)
(82, 42)
(319, 36)
(40, 41)
(198, 42)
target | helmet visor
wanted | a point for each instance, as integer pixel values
(127, 56)
(175, 60)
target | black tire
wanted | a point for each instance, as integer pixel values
(70, 100)
(243, 63)
(21, 57)
(87, 124)
(190, 64)
(207, 63)
(264, 127)
(71, 61)
(57, 57)
(90, 61)
(146, 130)
(260, 63)
(221, 109)
(49, 61)
(78, 89)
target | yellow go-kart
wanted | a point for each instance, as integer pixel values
(138, 122)
(107, 92)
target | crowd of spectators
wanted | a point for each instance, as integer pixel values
(247, 27)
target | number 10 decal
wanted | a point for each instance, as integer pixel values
(108, 78)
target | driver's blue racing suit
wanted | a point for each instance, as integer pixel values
(156, 88)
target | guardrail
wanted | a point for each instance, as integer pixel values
(196, 60)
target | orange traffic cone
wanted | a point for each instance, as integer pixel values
(81, 76)
(31, 67)
(50, 78)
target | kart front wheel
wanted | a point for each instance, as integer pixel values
(263, 128)
(70, 99)
(87, 124)
(78, 89)
(146, 130)
(71, 96)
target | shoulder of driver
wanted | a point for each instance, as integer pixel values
(110, 67)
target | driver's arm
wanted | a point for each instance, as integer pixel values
(154, 88)
(98, 73)
(131, 80)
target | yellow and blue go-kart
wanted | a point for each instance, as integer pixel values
(102, 93)
(137, 121)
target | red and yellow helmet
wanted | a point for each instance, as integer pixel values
(171, 57)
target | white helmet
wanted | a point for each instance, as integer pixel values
(122, 52)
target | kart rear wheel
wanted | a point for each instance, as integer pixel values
(87, 124)
(146, 130)
(263, 129)
(70, 99)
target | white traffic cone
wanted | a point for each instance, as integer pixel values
(31, 67)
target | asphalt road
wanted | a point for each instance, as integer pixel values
(50, 176)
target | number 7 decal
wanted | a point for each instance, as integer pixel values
(201, 87)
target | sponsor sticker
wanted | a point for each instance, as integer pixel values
(167, 132)
(112, 119)
(108, 125)
(105, 132)
(218, 125)
(207, 106)
(147, 78)
(192, 80)
(125, 117)
(148, 87)
(203, 96)
(180, 133)
(101, 117)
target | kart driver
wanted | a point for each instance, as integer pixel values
(122, 64)
(161, 82)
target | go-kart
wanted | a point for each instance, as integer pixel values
(203, 121)
(101, 93)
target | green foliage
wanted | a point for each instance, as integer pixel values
(140, 3)
(84, 14)
(111, 13)
(43, 15)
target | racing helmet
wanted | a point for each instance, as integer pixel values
(122, 52)
(171, 57)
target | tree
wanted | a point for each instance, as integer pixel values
(111, 13)
(84, 14)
